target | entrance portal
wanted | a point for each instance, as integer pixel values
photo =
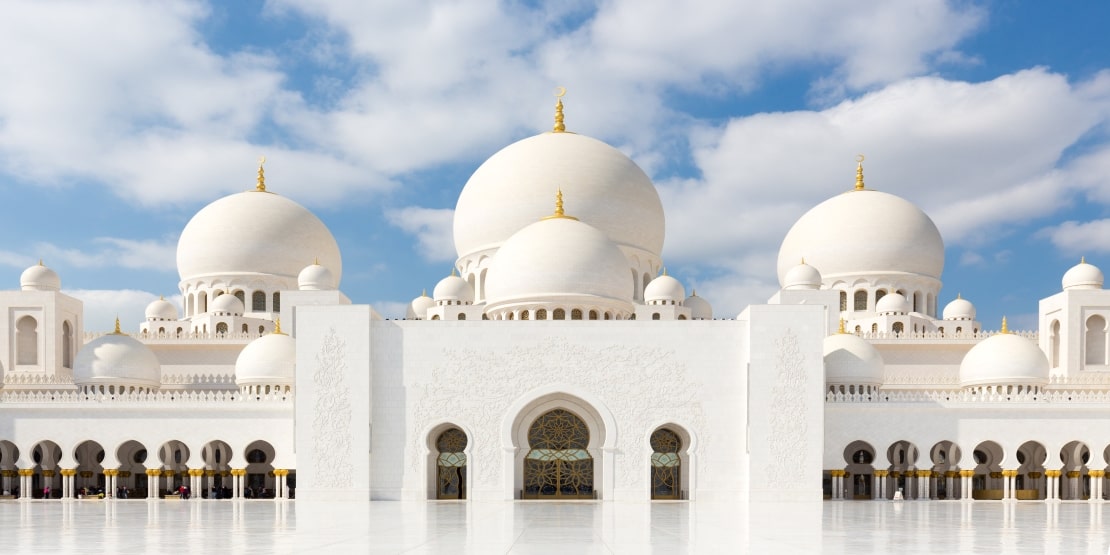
(451, 465)
(558, 466)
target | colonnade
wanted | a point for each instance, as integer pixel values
(958, 484)
(199, 479)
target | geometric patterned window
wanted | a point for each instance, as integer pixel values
(557, 465)
(665, 465)
(451, 465)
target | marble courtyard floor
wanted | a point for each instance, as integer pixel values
(140, 526)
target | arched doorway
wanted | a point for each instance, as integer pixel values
(9, 455)
(902, 456)
(988, 480)
(945, 455)
(90, 475)
(1030, 482)
(133, 482)
(216, 455)
(558, 465)
(451, 464)
(46, 481)
(666, 464)
(261, 482)
(1074, 482)
(859, 455)
(174, 455)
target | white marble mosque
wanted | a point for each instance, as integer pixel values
(558, 361)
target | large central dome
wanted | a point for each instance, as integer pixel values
(513, 189)
(255, 232)
(864, 233)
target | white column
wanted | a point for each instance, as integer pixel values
(153, 485)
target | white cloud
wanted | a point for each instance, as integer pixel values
(114, 253)
(1080, 238)
(432, 228)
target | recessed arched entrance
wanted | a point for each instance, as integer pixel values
(666, 464)
(451, 464)
(558, 464)
(860, 457)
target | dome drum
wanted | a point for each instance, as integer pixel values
(583, 309)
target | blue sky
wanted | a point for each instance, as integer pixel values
(120, 119)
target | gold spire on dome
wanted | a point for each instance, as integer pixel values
(841, 329)
(803, 261)
(423, 292)
(559, 214)
(959, 295)
(453, 272)
(1004, 328)
(277, 327)
(859, 172)
(559, 126)
(316, 261)
(40, 262)
(1082, 260)
(664, 270)
(261, 185)
(118, 331)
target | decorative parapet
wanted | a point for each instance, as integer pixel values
(182, 337)
(936, 335)
(202, 379)
(36, 378)
(912, 378)
(976, 397)
(152, 398)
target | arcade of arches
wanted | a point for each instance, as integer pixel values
(988, 472)
(558, 463)
(219, 472)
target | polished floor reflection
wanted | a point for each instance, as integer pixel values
(139, 526)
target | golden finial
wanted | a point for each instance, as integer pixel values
(841, 329)
(161, 297)
(118, 331)
(1004, 328)
(559, 126)
(453, 273)
(40, 262)
(559, 212)
(424, 292)
(316, 261)
(261, 186)
(1082, 260)
(959, 295)
(859, 172)
(803, 261)
(277, 326)
(664, 270)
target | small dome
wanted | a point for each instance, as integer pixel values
(226, 304)
(849, 360)
(315, 277)
(117, 359)
(453, 289)
(802, 276)
(252, 233)
(418, 308)
(1082, 276)
(892, 303)
(161, 309)
(861, 234)
(700, 309)
(270, 359)
(664, 289)
(560, 260)
(1004, 358)
(40, 278)
(959, 309)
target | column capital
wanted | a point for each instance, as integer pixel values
(1096, 473)
(967, 473)
(882, 473)
(1074, 473)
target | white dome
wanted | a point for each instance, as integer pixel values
(161, 309)
(513, 189)
(116, 359)
(1004, 358)
(802, 276)
(1082, 276)
(251, 233)
(864, 233)
(40, 278)
(315, 277)
(893, 303)
(226, 304)
(959, 309)
(700, 309)
(453, 288)
(270, 359)
(665, 288)
(419, 306)
(849, 360)
(560, 260)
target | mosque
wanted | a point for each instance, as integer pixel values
(558, 361)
